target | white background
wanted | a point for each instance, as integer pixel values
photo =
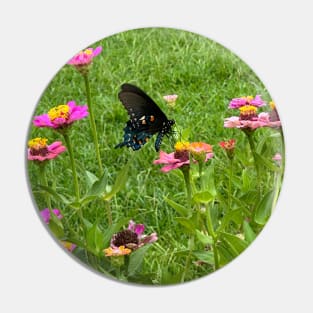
(274, 38)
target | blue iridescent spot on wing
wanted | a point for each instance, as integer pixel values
(133, 138)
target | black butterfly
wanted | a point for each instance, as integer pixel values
(146, 119)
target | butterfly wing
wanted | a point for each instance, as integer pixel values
(146, 118)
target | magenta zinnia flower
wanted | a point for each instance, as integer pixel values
(61, 116)
(84, 57)
(45, 214)
(127, 240)
(236, 103)
(39, 150)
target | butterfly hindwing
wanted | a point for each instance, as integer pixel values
(146, 118)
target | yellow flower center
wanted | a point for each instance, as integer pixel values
(272, 105)
(37, 143)
(117, 252)
(86, 51)
(248, 98)
(61, 111)
(247, 112)
(182, 146)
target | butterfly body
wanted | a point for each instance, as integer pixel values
(146, 119)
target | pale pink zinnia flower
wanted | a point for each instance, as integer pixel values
(61, 116)
(39, 150)
(277, 157)
(170, 99)
(261, 120)
(201, 151)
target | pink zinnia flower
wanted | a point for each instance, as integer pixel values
(201, 151)
(39, 150)
(239, 102)
(277, 157)
(228, 144)
(61, 116)
(172, 160)
(127, 240)
(45, 214)
(261, 120)
(84, 57)
(170, 99)
(69, 246)
(229, 147)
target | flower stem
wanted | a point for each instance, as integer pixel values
(93, 124)
(44, 181)
(255, 158)
(214, 236)
(70, 150)
(109, 211)
(229, 182)
(186, 172)
(200, 174)
(191, 245)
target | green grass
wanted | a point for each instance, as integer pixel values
(206, 76)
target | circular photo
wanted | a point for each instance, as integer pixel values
(155, 156)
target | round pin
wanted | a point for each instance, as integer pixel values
(155, 156)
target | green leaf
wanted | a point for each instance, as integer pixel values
(114, 228)
(136, 259)
(56, 227)
(231, 216)
(205, 256)
(264, 208)
(185, 134)
(203, 197)
(248, 232)
(95, 239)
(119, 182)
(225, 254)
(246, 181)
(268, 163)
(87, 199)
(91, 178)
(180, 209)
(236, 244)
(57, 196)
(205, 239)
(98, 187)
(187, 223)
(208, 179)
